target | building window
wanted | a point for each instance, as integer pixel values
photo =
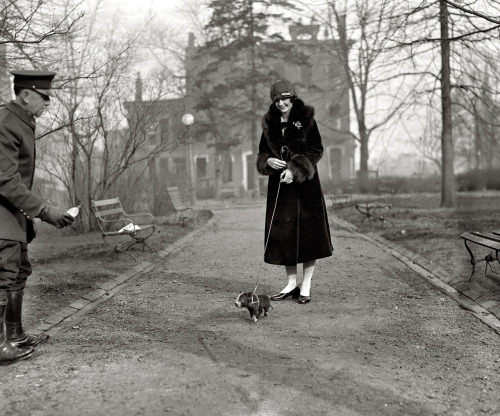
(153, 134)
(227, 175)
(164, 167)
(201, 167)
(164, 130)
(179, 167)
(334, 115)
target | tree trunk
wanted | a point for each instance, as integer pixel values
(253, 126)
(363, 160)
(255, 151)
(448, 195)
(219, 169)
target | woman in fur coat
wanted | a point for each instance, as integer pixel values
(289, 150)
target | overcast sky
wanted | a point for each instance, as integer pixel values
(141, 8)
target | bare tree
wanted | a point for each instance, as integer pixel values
(465, 35)
(99, 145)
(361, 32)
(28, 27)
(447, 172)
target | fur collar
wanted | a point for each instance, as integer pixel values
(299, 123)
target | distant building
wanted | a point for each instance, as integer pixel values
(319, 82)
(158, 125)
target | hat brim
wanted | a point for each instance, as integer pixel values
(49, 93)
(284, 97)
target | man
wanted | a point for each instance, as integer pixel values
(19, 206)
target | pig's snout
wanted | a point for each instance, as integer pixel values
(238, 302)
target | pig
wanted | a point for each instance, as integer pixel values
(256, 304)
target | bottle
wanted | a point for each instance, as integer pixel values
(74, 211)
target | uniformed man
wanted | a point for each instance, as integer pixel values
(19, 206)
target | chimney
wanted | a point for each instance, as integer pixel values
(138, 87)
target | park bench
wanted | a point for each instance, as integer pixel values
(182, 211)
(488, 240)
(116, 225)
(371, 211)
(387, 186)
(339, 200)
(344, 198)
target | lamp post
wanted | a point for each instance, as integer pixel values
(188, 120)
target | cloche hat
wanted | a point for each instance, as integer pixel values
(282, 89)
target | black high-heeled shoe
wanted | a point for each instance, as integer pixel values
(294, 293)
(304, 299)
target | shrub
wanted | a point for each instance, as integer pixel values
(206, 193)
(415, 184)
(476, 179)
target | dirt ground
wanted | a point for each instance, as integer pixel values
(67, 264)
(376, 338)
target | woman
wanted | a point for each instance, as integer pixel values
(289, 149)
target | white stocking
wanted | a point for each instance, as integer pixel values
(291, 273)
(305, 288)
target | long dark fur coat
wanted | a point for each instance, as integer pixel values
(300, 231)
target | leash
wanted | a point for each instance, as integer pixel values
(285, 152)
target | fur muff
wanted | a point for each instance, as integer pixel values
(301, 168)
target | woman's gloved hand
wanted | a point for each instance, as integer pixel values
(276, 163)
(286, 176)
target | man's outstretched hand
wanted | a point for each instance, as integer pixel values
(55, 216)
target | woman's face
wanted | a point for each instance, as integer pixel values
(283, 104)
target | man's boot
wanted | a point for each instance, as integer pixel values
(9, 353)
(13, 323)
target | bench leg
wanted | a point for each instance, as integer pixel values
(472, 260)
(142, 241)
(117, 249)
(489, 259)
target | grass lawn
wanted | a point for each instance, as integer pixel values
(420, 225)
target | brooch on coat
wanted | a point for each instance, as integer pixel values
(297, 124)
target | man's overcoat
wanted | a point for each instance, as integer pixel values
(299, 231)
(18, 205)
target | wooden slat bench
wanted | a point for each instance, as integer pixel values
(339, 200)
(371, 211)
(387, 186)
(344, 197)
(181, 209)
(115, 225)
(488, 240)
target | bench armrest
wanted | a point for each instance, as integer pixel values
(121, 219)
